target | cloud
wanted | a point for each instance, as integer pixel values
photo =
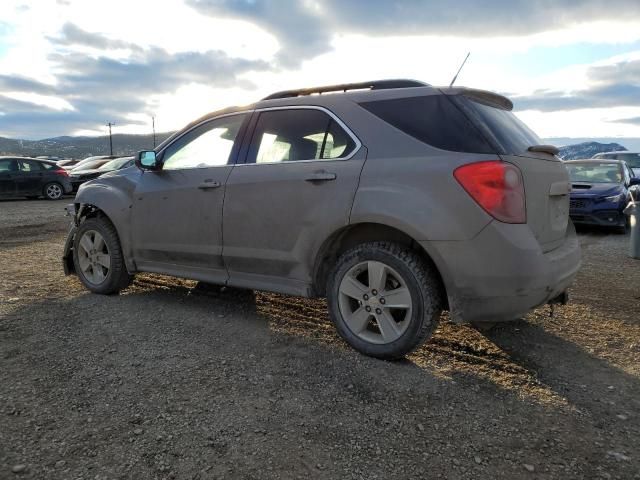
(297, 25)
(628, 121)
(305, 28)
(73, 35)
(11, 83)
(615, 85)
(100, 88)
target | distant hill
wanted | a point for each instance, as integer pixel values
(79, 147)
(124, 144)
(588, 149)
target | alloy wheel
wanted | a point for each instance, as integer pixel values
(94, 257)
(375, 302)
(54, 191)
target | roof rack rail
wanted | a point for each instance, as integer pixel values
(372, 85)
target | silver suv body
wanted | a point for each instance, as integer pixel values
(393, 199)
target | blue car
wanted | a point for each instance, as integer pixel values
(600, 190)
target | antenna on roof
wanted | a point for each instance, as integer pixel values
(458, 72)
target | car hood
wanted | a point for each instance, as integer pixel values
(124, 180)
(584, 189)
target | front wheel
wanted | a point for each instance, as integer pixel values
(97, 257)
(53, 191)
(384, 299)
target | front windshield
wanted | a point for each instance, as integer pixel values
(632, 159)
(594, 172)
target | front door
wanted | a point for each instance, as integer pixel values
(295, 189)
(177, 211)
(8, 176)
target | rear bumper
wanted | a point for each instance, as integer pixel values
(67, 187)
(502, 273)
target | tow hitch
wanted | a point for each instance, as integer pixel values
(561, 299)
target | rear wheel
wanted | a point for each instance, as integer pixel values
(384, 299)
(98, 258)
(53, 191)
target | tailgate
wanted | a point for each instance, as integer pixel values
(547, 188)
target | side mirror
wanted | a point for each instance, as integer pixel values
(147, 160)
(634, 181)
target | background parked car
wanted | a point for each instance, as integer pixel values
(600, 192)
(85, 174)
(87, 160)
(67, 162)
(31, 178)
(632, 159)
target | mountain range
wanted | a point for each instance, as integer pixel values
(126, 144)
(80, 147)
(588, 149)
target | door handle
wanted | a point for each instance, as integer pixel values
(321, 177)
(208, 184)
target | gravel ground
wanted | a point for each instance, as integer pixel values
(171, 380)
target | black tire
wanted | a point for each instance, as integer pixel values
(623, 229)
(422, 282)
(117, 278)
(53, 191)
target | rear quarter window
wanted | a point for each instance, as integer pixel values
(434, 120)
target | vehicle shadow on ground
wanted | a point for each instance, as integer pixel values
(520, 358)
(589, 383)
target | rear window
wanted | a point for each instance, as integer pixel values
(434, 120)
(503, 129)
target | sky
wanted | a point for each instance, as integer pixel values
(67, 67)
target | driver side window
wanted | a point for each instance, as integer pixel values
(208, 145)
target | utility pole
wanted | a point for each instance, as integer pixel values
(153, 126)
(110, 139)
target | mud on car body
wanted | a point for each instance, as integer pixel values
(394, 199)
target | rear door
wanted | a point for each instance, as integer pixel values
(30, 178)
(8, 175)
(296, 188)
(177, 211)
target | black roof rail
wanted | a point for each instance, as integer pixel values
(372, 85)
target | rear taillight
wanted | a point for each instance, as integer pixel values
(62, 172)
(497, 187)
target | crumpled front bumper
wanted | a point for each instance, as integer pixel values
(67, 255)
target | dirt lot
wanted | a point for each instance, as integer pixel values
(171, 381)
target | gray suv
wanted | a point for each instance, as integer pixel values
(394, 199)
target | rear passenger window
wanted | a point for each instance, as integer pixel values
(27, 166)
(298, 134)
(432, 119)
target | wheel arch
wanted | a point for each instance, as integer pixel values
(115, 206)
(355, 234)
